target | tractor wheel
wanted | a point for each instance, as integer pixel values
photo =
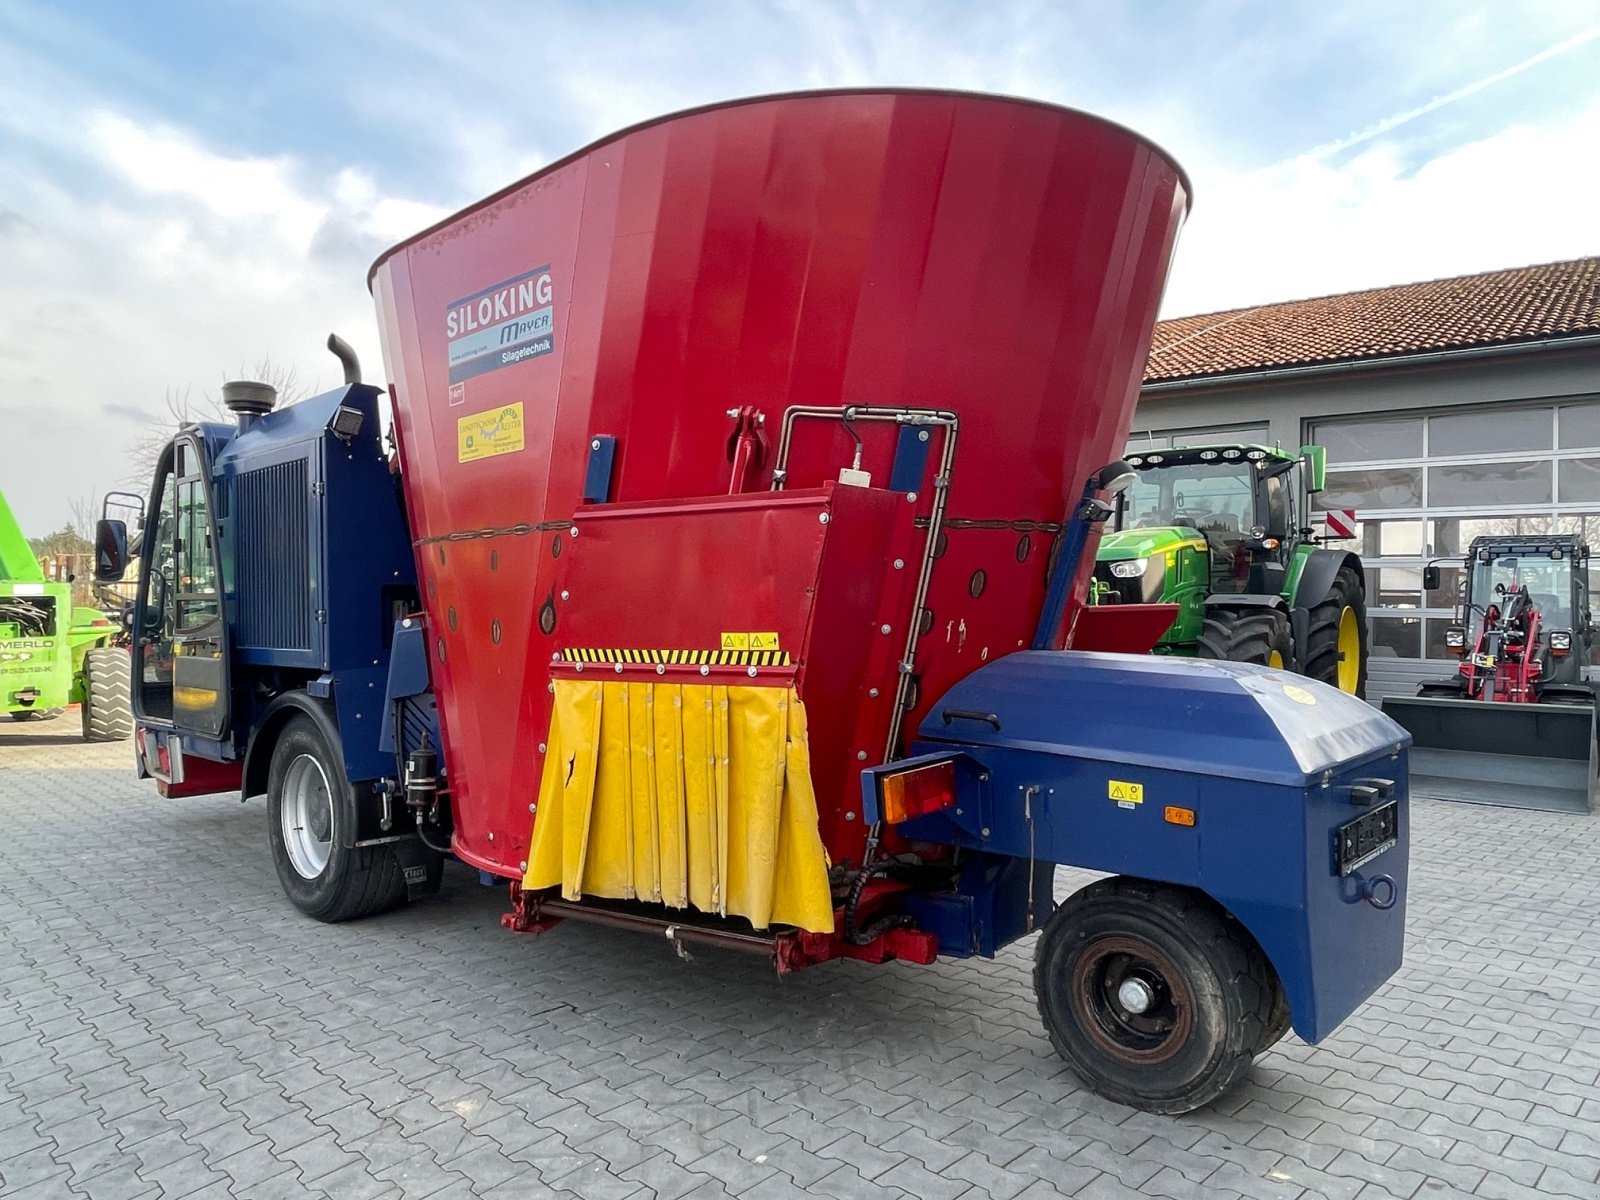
(311, 814)
(107, 707)
(1250, 635)
(36, 714)
(1153, 995)
(1336, 637)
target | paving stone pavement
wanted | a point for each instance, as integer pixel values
(169, 1026)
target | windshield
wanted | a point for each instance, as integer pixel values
(1548, 580)
(1211, 497)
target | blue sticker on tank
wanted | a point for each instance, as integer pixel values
(502, 325)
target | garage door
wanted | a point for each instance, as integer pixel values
(1424, 485)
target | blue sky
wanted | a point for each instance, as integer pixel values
(187, 188)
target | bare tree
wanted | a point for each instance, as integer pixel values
(184, 408)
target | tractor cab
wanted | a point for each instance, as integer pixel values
(1236, 504)
(1525, 603)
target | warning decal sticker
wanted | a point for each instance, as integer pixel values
(1125, 794)
(486, 434)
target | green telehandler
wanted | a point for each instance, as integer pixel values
(1224, 533)
(53, 654)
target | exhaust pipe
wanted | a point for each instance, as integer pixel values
(347, 358)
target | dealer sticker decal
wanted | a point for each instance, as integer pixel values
(508, 323)
(486, 434)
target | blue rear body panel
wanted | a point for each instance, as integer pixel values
(1265, 760)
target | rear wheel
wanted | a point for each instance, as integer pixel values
(107, 707)
(1336, 635)
(311, 818)
(1250, 635)
(1152, 994)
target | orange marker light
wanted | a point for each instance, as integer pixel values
(1179, 816)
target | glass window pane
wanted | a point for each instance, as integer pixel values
(1580, 479)
(1397, 487)
(1390, 539)
(1453, 535)
(1448, 593)
(1394, 587)
(1369, 441)
(1396, 637)
(1580, 426)
(1496, 431)
(1489, 483)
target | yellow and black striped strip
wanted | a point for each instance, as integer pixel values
(686, 658)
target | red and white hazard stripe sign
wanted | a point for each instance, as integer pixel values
(1341, 522)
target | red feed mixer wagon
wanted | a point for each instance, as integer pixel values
(750, 464)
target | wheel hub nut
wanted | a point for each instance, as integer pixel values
(1135, 996)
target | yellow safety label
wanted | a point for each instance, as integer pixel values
(486, 434)
(1125, 793)
(750, 641)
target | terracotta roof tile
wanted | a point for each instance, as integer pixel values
(1495, 308)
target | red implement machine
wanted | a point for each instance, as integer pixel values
(751, 465)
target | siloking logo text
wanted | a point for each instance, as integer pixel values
(507, 323)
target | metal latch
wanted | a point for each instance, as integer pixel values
(1367, 792)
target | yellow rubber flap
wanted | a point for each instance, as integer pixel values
(685, 794)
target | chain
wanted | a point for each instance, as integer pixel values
(468, 535)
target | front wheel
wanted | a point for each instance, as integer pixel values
(1249, 635)
(1153, 995)
(1336, 635)
(311, 819)
(107, 707)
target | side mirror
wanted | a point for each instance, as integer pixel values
(110, 550)
(1316, 460)
(1430, 578)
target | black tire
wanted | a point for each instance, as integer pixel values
(1277, 1018)
(350, 881)
(36, 714)
(1208, 986)
(1248, 635)
(107, 707)
(1322, 659)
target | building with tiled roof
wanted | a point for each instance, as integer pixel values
(1449, 408)
(1496, 308)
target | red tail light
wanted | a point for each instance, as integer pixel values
(918, 793)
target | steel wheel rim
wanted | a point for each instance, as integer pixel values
(306, 816)
(1150, 1037)
(1349, 650)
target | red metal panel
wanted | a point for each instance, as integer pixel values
(998, 258)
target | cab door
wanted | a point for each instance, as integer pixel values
(200, 641)
(181, 678)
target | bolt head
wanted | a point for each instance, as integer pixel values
(823, 517)
(751, 672)
(872, 692)
(595, 445)
(899, 564)
(861, 755)
(566, 595)
(705, 670)
(849, 816)
(985, 831)
(573, 532)
(883, 629)
(911, 497)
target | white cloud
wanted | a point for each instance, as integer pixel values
(1309, 227)
(169, 266)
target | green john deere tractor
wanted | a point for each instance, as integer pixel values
(1224, 533)
(52, 654)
